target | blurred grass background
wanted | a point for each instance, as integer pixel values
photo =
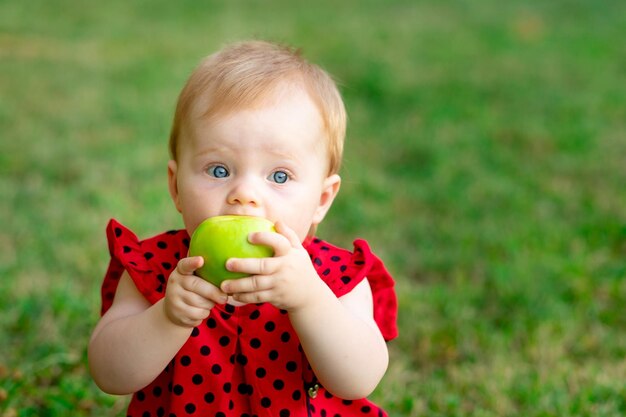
(486, 163)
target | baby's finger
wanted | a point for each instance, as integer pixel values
(196, 300)
(289, 233)
(187, 266)
(253, 297)
(254, 283)
(205, 289)
(276, 241)
(252, 266)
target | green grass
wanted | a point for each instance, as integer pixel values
(485, 163)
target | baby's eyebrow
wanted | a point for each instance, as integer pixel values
(280, 153)
(231, 150)
(212, 150)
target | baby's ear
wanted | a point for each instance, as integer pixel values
(330, 188)
(172, 180)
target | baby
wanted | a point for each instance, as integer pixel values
(258, 131)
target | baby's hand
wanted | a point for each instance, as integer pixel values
(188, 298)
(287, 280)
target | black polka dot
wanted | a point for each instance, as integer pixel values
(224, 340)
(278, 384)
(157, 391)
(166, 265)
(140, 395)
(255, 315)
(266, 402)
(161, 244)
(366, 409)
(211, 323)
(284, 413)
(160, 412)
(297, 394)
(178, 389)
(118, 232)
(209, 397)
(190, 408)
(126, 249)
(346, 279)
(186, 242)
(185, 360)
(205, 350)
(197, 379)
(227, 387)
(261, 372)
(148, 255)
(220, 414)
(317, 261)
(229, 308)
(242, 359)
(292, 366)
(216, 369)
(243, 388)
(326, 272)
(255, 343)
(195, 332)
(161, 278)
(335, 258)
(285, 337)
(270, 326)
(343, 268)
(146, 414)
(273, 355)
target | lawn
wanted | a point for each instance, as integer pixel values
(485, 163)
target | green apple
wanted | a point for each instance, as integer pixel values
(220, 238)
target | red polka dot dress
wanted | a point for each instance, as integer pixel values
(243, 361)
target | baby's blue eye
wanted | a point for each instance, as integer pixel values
(218, 171)
(279, 177)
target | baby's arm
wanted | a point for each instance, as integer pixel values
(342, 342)
(134, 341)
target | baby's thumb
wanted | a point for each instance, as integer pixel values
(187, 266)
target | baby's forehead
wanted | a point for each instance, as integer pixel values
(287, 123)
(216, 103)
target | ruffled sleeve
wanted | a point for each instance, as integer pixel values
(148, 262)
(342, 270)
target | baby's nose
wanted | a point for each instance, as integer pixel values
(245, 192)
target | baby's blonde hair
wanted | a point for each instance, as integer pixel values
(243, 74)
